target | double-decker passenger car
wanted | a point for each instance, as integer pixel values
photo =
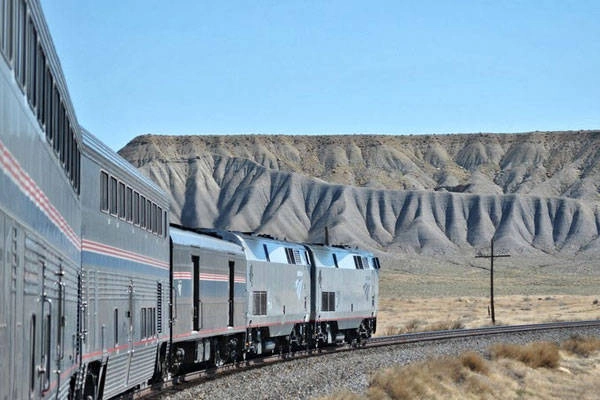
(40, 215)
(125, 272)
(97, 298)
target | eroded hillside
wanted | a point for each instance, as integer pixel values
(533, 192)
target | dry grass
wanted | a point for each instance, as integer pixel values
(535, 355)
(581, 346)
(536, 371)
(404, 315)
(416, 325)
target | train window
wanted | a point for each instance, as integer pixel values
(266, 253)
(47, 103)
(154, 218)
(335, 260)
(21, 43)
(143, 323)
(259, 303)
(6, 28)
(74, 152)
(151, 331)
(116, 326)
(3, 24)
(121, 206)
(68, 151)
(358, 262)
(159, 216)
(128, 204)
(30, 63)
(148, 215)
(104, 191)
(376, 263)
(293, 256)
(327, 301)
(113, 195)
(142, 211)
(78, 170)
(40, 74)
(166, 224)
(54, 123)
(63, 136)
(136, 208)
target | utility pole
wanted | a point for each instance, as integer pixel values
(491, 257)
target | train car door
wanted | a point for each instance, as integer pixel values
(5, 314)
(15, 355)
(231, 291)
(196, 294)
(130, 332)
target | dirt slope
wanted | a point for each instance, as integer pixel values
(535, 192)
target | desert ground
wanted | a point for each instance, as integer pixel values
(426, 293)
(542, 370)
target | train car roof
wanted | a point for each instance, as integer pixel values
(345, 257)
(254, 245)
(184, 237)
(94, 148)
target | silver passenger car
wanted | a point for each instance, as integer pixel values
(125, 273)
(40, 213)
(209, 298)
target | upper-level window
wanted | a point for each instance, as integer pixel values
(113, 195)
(6, 28)
(104, 191)
(136, 208)
(148, 214)
(121, 200)
(159, 217)
(128, 204)
(154, 219)
(142, 211)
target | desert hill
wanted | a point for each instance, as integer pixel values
(432, 194)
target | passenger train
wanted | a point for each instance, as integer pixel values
(99, 294)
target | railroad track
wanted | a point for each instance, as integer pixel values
(196, 378)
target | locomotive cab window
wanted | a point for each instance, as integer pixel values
(293, 256)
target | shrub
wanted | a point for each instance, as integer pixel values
(474, 362)
(582, 346)
(534, 355)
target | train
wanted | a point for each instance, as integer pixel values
(100, 294)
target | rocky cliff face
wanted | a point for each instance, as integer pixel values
(440, 194)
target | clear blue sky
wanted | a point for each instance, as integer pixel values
(327, 67)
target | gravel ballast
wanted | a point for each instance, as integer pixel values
(319, 376)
